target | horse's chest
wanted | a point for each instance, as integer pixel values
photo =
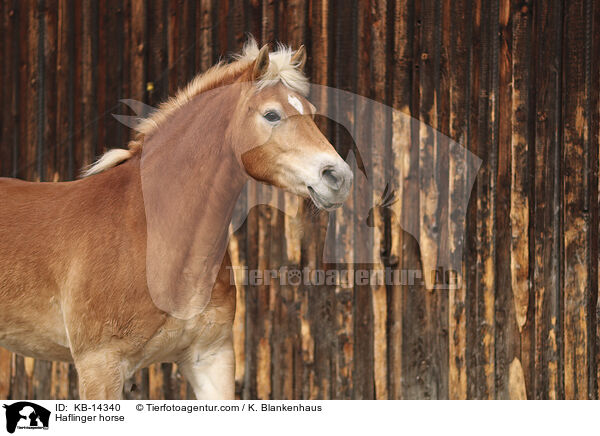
(178, 339)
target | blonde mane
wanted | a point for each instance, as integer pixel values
(281, 69)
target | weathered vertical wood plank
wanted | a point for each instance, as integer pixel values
(30, 96)
(547, 223)
(5, 378)
(457, 35)
(59, 381)
(402, 68)
(173, 45)
(253, 12)
(121, 60)
(102, 68)
(5, 40)
(594, 109)
(471, 295)
(137, 47)
(381, 140)
(204, 41)
(89, 77)
(520, 189)
(158, 62)
(363, 193)
(519, 200)
(64, 105)
(576, 217)
(485, 143)
(504, 323)
(5, 73)
(344, 77)
(428, 152)
(187, 41)
(221, 23)
(430, 189)
(77, 96)
(236, 22)
(322, 299)
(251, 323)
(10, 71)
(236, 254)
(155, 382)
(440, 188)
(268, 31)
(592, 92)
(264, 313)
(488, 205)
(18, 381)
(110, 136)
(413, 317)
(276, 220)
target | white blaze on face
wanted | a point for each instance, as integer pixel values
(294, 101)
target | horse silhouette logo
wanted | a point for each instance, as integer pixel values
(26, 415)
(428, 205)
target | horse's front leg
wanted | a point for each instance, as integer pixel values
(100, 375)
(211, 372)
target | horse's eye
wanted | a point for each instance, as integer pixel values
(272, 116)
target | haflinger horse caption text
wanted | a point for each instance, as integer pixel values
(290, 417)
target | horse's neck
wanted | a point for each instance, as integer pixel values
(211, 200)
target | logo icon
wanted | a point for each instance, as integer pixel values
(26, 415)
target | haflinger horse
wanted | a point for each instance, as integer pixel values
(115, 271)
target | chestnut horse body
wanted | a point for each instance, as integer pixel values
(76, 282)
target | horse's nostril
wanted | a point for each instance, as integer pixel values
(331, 178)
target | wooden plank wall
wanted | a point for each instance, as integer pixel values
(515, 81)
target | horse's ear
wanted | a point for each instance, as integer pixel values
(261, 64)
(299, 57)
